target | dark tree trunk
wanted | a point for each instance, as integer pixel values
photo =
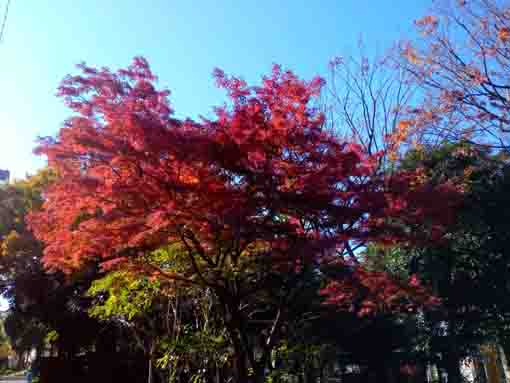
(150, 374)
(239, 370)
(452, 367)
(390, 374)
(244, 357)
(241, 363)
(234, 328)
(218, 374)
(381, 373)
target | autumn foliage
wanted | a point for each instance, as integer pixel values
(261, 179)
(270, 224)
(366, 292)
(460, 63)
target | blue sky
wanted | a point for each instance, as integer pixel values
(183, 40)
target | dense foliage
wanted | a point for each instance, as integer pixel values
(272, 241)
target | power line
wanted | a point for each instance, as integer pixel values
(4, 21)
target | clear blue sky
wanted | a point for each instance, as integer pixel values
(183, 40)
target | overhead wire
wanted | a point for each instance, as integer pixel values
(4, 21)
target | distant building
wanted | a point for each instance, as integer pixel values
(4, 176)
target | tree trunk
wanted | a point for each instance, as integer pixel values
(150, 374)
(381, 374)
(241, 366)
(239, 370)
(452, 366)
(234, 328)
(244, 356)
(20, 361)
(218, 374)
(390, 374)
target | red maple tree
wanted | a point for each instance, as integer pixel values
(261, 180)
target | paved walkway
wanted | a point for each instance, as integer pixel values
(13, 379)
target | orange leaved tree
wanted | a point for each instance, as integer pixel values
(462, 63)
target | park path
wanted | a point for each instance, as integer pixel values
(13, 379)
